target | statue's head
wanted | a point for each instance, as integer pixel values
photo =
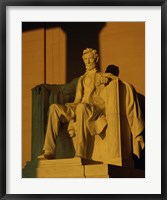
(90, 58)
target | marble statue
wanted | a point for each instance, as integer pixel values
(105, 107)
(86, 115)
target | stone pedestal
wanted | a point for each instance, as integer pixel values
(64, 168)
(96, 171)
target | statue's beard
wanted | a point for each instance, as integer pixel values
(90, 66)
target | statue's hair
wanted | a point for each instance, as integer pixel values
(87, 50)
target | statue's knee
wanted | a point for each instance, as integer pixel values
(52, 107)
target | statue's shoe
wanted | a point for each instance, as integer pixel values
(49, 155)
(41, 157)
(46, 155)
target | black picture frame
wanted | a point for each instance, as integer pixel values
(3, 121)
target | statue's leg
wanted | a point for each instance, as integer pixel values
(82, 114)
(57, 114)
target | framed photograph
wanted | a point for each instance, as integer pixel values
(62, 62)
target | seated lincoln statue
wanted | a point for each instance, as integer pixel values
(104, 106)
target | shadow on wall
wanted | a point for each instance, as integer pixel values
(80, 35)
(112, 69)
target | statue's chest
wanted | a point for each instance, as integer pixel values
(88, 80)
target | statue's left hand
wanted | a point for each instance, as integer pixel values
(105, 80)
(71, 133)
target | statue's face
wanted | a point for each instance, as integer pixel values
(90, 61)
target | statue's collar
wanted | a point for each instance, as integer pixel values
(91, 71)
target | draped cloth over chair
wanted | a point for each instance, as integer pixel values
(125, 123)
